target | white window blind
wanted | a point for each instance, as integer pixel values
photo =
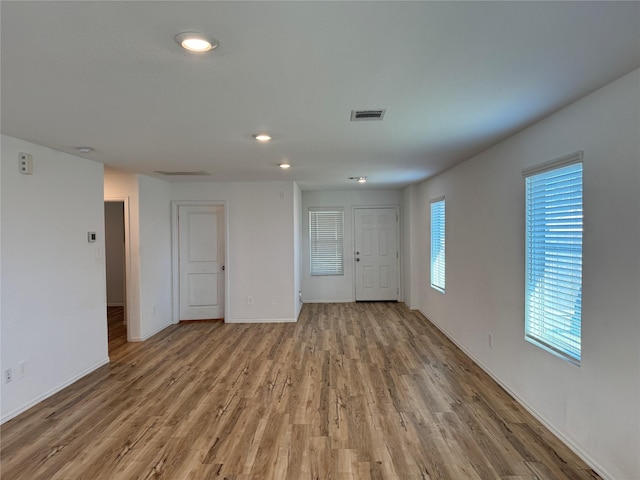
(553, 304)
(438, 244)
(326, 228)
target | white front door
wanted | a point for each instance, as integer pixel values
(201, 261)
(376, 253)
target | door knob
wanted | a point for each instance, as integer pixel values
(357, 259)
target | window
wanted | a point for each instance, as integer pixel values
(437, 245)
(325, 241)
(553, 302)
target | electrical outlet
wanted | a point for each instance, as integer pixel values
(249, 300)
(8, 376)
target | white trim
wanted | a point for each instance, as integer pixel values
(175, 255)
(436, 199)
(147, 337)
(53, 391)
(565, 160)
(128, 287)
(261, 320)
(599, 469)
(329, 300)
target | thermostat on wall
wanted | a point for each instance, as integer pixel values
(91, 237)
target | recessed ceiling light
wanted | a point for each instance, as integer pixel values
(84, 149)
(285, 165)
(196, 42)
(262, 137)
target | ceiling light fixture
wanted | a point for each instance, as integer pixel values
(84, 149)
(285, 165)
(196, 42)
(262, 137)
(359, 179)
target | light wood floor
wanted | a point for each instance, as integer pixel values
(351, 392)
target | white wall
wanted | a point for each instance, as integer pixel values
(261, 246)
(411, 223)
(1, 309)
(595, 408)
(53, 280)
(339, 288)
(297, 248)
(155, 255)
(149, 305)
(125, 186)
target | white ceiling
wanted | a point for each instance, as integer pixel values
(455, 78)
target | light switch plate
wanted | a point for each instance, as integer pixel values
(25, 163)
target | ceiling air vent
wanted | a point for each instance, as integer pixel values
(364, 115)
(183, 174)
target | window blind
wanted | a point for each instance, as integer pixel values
(326, 241)
(438, 244)
(554, 224)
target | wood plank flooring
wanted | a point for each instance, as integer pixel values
(117, 330)
(362, 391)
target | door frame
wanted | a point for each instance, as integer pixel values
(128, 287)
(398, 245)
(175, 252)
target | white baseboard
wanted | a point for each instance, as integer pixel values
(148, 336)
(260, 320)
(566, 440)
(53, 391)
(325, 300)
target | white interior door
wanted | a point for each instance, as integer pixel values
(376, 253)
(201, 261)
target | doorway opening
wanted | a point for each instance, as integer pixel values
(116, 271)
